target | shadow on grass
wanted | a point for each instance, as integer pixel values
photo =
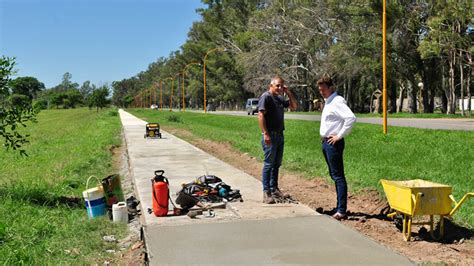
(40, 197)
(453, 233)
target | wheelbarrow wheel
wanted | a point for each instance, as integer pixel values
(437, 232)
(398, 221)
(406, 227)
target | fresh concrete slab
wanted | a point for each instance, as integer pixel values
(315, 240)
(247, 232)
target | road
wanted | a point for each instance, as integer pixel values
(464, 124)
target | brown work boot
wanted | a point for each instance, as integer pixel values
(267, 198)
(278, 194)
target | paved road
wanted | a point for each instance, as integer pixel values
(431, 123)
(244, 233)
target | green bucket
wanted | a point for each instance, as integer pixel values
(112, 190)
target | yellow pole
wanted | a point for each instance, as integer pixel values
(184, 73)
(171, 96)
(182, 92)
(384, 66)
(161, 95)
(204, 71)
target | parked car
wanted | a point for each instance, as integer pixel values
(251, 106)
(210, 107)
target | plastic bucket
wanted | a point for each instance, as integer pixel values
(120, 212)
(112, 190)
(94, 199)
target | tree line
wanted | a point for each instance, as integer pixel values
(429, 54)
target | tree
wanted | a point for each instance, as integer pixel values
(12, 116)
(85, 89)
(73, 98)
(28, 86)
(446, 37)
(99, 97)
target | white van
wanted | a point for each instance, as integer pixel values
(252, 106)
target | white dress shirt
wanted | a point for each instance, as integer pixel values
(337, 118)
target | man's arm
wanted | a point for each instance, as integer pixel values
(291, 96)
(263, 126)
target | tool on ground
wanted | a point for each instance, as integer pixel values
(419, 197)
(152, 130)
(132, 204)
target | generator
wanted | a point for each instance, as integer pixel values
(152, 130)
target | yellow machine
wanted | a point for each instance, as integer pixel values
(419, 197)
(152, 130)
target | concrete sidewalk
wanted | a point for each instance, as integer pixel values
(247, 232)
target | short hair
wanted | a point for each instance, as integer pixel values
(275, 78)
(325, 80)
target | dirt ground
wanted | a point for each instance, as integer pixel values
(366, 210)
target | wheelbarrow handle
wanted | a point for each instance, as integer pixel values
(458, 204)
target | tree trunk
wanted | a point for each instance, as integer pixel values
(468, 88)
(444, 100)
(392, 99)
(349, 93)
(412, 97)
(400, 98)
(461, 73)
(450, 93)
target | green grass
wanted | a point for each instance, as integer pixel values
(37, 226)
(405, 153)
(397, 115)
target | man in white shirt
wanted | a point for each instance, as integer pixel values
(337, 120)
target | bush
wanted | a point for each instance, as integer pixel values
(174, 118)
(40, 104)
(113, 112)
(20, 100)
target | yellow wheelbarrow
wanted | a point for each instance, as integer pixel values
(419, 197)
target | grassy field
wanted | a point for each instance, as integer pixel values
(405, 153)
(400, 115)
(39, 224)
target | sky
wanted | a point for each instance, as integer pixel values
(97, 40)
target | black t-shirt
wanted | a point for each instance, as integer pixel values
(274, 107)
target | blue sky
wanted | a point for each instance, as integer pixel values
(97, 40)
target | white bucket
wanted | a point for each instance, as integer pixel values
(120, 212)
(95, 200)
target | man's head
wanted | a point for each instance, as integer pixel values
(325, 86)
(276, 85)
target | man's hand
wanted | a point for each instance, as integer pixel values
(267, 139)
(332, 139)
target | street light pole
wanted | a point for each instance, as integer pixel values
(204, 72)
(184, 73)
(172, 87)
(161, 95)
(171, 95)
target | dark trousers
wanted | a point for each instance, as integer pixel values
(333, 156)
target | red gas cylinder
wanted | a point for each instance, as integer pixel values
(160, 194)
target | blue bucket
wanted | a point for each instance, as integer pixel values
(95, 199)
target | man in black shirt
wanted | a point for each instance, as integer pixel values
(271, 121)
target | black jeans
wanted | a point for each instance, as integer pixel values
(333, 156)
